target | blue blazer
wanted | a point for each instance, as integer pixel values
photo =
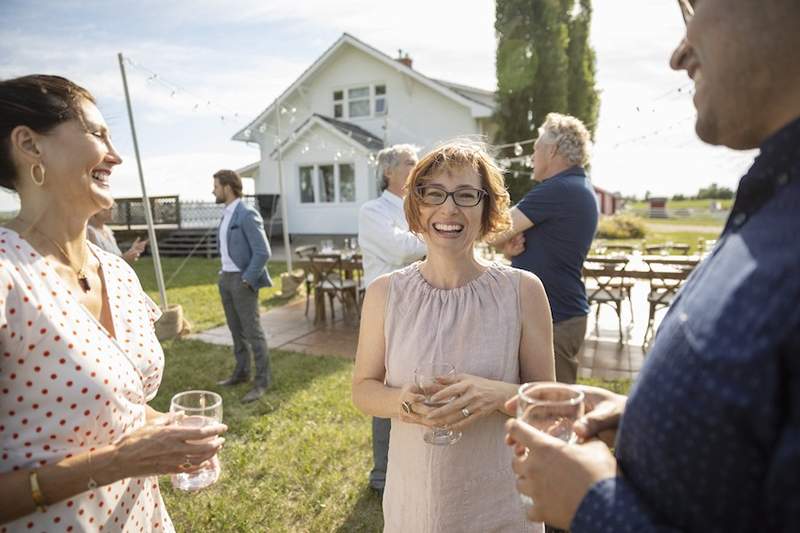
(248, 246)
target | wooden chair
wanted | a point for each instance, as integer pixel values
(606, 284)
(654, 249)
(303, 252)
(358, 276)
(330, 280)
(667, 277)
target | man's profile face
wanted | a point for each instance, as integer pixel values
(219, 192)
(729, 52)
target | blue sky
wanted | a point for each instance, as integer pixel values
(230, 59)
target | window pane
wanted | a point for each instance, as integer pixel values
(358, 108)
(307, 185)
(380, 89)
(337, 95)
(337, 110)
(358, 92)
(380, 106)
(347, 183)
(326, 184)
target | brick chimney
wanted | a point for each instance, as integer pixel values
(405, 59)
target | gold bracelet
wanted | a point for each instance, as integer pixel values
(36, 492)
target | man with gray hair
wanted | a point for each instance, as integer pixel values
(387, 245)
(552, 230)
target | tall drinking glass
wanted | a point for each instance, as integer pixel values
(427, 378)
(199, 408)
(552, 408)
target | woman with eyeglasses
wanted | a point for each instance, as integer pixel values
(490, 322)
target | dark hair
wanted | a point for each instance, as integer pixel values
(40, 102)
(231, 178)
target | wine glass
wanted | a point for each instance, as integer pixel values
(427, 378)
(199, 408)
(552, 408)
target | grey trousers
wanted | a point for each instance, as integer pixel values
(241, 312)
(568, 338)
(380, 451)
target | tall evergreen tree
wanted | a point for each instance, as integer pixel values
(583, 100)
(544, 64)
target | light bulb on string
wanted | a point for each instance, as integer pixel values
(262, 128)
(518, 149)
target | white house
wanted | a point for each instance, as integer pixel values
(330, 123)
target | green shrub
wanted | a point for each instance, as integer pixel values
(621, 227)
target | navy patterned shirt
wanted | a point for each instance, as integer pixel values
(710, 440)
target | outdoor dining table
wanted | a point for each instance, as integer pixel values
(351, 266)
(642, 266)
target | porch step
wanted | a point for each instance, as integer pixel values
(181, 242)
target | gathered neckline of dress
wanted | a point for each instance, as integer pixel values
(481, 279)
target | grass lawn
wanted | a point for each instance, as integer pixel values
(195, 287)
(298, 460)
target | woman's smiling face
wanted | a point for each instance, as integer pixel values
(449, 225)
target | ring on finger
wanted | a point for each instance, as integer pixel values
(187, 464)
(407, 409)
(465, 412)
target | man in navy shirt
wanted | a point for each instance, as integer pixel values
(557, 220)
(709, 439)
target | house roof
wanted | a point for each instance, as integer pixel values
(350, 133)
(246, 170)
(469, 97)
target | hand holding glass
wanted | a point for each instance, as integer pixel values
(552, 408)
(199, 408)
(427, 379)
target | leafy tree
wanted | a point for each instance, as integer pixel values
(544, 65)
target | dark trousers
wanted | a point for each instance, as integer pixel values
(380, 451)
(241, 312)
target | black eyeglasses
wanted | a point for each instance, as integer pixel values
(437, 195)
(687, 10)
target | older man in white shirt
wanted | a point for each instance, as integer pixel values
(387, 245)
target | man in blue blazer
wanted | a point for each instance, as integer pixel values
(244, 251)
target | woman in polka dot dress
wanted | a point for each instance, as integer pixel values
(80, 448)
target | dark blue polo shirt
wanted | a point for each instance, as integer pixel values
(564, 212)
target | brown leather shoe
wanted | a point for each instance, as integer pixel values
(254, 394)
(231, 381)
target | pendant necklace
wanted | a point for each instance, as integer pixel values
(80, 272)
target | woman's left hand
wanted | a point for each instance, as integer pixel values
(554, 474)
(473, 398)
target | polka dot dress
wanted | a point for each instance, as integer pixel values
(68, 387)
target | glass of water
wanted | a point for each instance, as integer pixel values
(427, 378)
(552, 408)
(199, 408)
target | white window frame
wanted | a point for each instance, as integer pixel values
(373, 98)
(315, 182)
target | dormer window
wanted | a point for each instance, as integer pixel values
(360, 102)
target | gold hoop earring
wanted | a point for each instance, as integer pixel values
(38, 183)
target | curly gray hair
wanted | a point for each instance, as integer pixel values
(389, 157)
(570, 136)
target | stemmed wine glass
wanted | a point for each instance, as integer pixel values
(552, 408)
(427, 378)
(199, 408)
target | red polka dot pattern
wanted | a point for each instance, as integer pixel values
(68, 386)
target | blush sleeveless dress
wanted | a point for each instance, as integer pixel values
(468, 486)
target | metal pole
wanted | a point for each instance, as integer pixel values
(287, 246)
(151, 231)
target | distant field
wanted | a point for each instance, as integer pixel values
(683, 204)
